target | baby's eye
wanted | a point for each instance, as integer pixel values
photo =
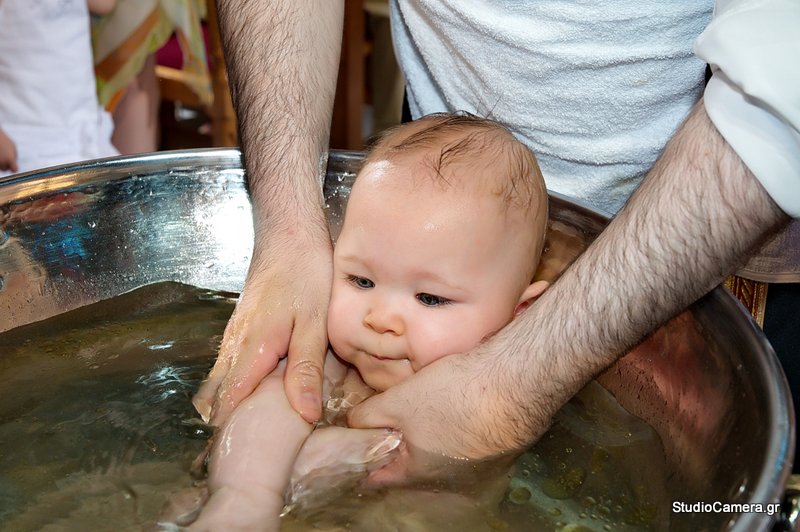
(430, 300)
(360, 282)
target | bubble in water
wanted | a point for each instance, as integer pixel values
(519, 495)
(495, 523)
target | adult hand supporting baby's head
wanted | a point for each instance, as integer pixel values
(282, 311)
(458, 413)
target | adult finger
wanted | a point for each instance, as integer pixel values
(304, 372)
(206, 395)
(378, 411)
(251, 361)
(203, 400)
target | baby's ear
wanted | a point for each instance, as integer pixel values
(530, 295)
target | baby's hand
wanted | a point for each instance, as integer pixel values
(8, 153)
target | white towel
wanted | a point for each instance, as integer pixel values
(595, 88)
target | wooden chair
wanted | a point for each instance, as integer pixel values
(174, 85)
(346, 127)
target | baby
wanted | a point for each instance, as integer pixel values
(442, 235)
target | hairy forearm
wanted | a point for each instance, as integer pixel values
(691, 223)
(282, 58)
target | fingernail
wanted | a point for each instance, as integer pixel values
(203, 408)
(310, 407)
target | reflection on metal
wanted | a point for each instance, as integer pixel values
(707, 382)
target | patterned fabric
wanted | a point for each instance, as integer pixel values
(751, 294)
(124, 39)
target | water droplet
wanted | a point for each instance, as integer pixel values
(519, 495)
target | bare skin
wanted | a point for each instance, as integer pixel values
(8, 153)
(691, 222)
(680, 234)
(284, 123)
(101, 7)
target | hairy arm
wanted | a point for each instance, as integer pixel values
(691, 222)
(282, 58)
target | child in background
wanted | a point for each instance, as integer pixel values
(440, 242)
(49, 114)
(125, 45)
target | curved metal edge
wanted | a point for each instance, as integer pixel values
(770, 487)
(62, 178)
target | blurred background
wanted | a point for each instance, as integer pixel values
(161, 73)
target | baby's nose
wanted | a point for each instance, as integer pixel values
(384, 320)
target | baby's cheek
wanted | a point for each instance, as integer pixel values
(440, 339)
(338, 334)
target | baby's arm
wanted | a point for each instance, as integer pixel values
(252, 456)
(251, 460)
(8, 153)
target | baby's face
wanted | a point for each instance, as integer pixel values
(419, 273)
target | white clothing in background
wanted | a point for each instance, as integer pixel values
(753, 98)
(595, 89)
(48, 98)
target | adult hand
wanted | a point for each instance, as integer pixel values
(467, 410)
(8, 153)
(282, 311)
(282, 59)
(679, 235)
(444, 432)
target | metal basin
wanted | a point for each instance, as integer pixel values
(707, 382)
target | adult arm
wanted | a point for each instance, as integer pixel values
(282, 57)
(690, 223)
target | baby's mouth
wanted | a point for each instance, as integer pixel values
(377, 357)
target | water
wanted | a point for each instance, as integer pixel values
(97, 429)
(96, 425)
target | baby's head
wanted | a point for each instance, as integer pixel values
(440, 241)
